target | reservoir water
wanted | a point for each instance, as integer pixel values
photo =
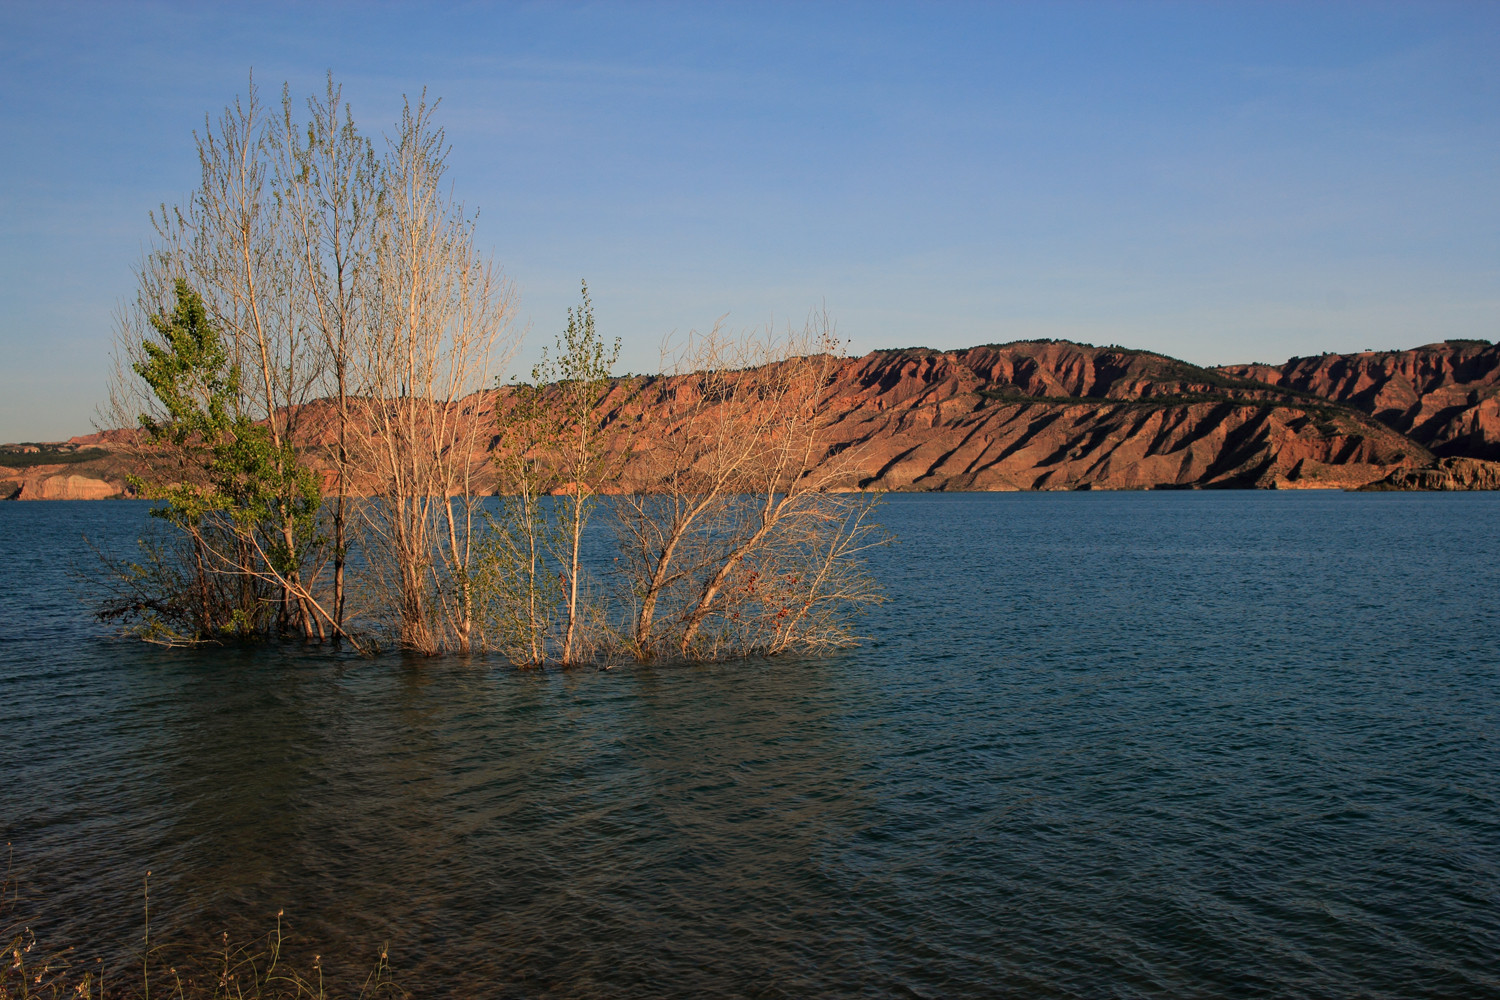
(1098, 745)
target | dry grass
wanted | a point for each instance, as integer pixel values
(33, 970)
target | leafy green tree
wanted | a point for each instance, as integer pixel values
(581, 370)
(512, 574)
(189, 372)
(226, 485)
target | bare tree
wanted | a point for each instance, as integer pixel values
(330, 186)
(800, 587)
(440, 310)
(783, 525)
(240, 256)
(690, 466)
(737, 542)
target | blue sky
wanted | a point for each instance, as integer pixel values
(1217, 181)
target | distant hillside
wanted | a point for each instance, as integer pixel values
(1037, 415)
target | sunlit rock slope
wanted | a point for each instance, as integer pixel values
(1057, 415)
(1445, 396)
(1040, 415)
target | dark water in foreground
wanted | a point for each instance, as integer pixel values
(1145, 744)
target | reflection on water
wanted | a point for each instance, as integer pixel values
(1133, 745)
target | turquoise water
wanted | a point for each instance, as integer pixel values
(1129, 745)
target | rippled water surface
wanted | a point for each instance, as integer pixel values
(1154, 744)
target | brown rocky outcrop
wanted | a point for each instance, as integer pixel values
(1445, 396)
(82, 468)
(66, 487)
(1445, 474)
(93, 467)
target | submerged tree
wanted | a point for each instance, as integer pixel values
(552, 439)
(227, 492)
(332, 186)
(739, 539)
(231, 245)
(580, 370)
(691, 472)
(441, 308)
(735, 534)
(330, 274)
(511, 576)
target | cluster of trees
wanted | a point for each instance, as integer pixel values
(311, 360)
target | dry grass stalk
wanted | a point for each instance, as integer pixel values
(254, 971)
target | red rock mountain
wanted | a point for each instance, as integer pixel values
(1445, 396)
(1058, 415)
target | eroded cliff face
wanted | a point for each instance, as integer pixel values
(1057, 415)
(65, 486)
(1445, 474)
(1444, 396)
(1065, 416)
(79, 469)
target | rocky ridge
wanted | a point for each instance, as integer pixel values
(83, 468)
(1446, 474)
(1057, 415)
(1039, 415)
(1445, 396)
